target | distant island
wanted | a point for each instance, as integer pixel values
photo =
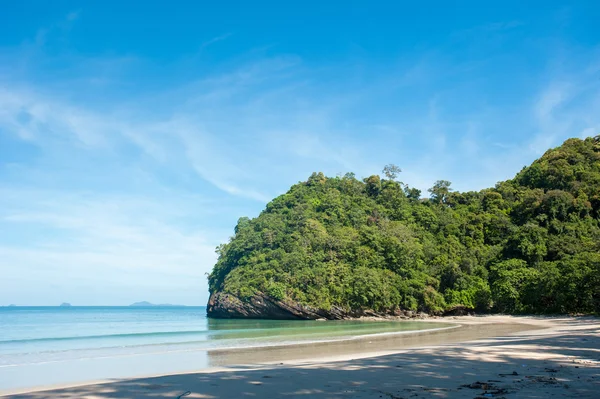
(65, 305)
(12, 305)
(145, 304)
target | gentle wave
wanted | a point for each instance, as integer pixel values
(245, 345)
(108, 336)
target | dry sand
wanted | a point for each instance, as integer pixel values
(487, 357)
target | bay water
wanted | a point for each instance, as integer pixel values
(43, 346)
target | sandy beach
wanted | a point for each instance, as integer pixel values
(486, 357)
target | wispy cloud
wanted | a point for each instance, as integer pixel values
(216, 40)
(73, 15)
(567, 106)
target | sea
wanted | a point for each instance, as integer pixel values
(54, 346)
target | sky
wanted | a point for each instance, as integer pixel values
(133, 137)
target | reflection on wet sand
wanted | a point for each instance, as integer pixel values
(362, 346)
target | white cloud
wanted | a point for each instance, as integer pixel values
(566, 107)
(551, 99)
(73, 15)
(590, 132)
(215, 39)
(35, 118)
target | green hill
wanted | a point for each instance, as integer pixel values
(338, 247)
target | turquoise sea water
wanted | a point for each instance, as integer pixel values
(59, 345)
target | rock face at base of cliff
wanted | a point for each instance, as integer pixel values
(227, 306)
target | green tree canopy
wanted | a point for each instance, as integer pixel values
(530, 244)
(440, 191)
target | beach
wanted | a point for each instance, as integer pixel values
(54, 346)
(490, 356)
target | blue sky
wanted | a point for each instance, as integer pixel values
(133, 137)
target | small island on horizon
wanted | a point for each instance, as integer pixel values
(65, 305)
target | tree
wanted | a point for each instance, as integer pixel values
(412, 193)
(373, 185)
(391, 171)
(440, 190)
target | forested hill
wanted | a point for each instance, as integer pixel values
(338, 247)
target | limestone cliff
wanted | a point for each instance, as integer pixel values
(227, 306)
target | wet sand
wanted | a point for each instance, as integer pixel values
(495, 356)
(450, 332)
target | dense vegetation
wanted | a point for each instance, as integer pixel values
(531, 244)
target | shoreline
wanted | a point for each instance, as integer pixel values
(465, 329)
(221, 358)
